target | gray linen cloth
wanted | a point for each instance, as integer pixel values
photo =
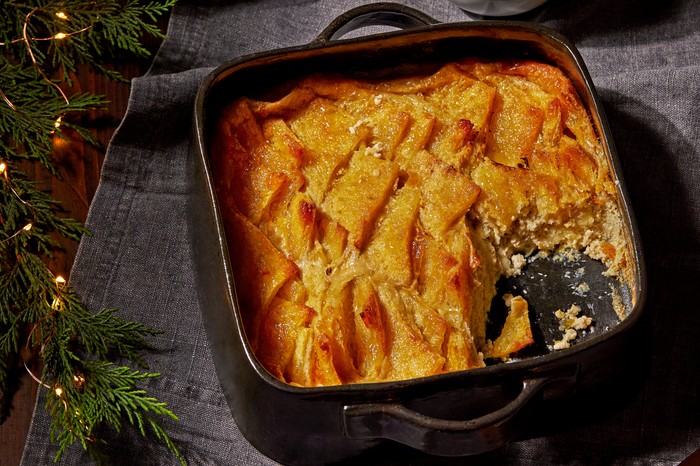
(644, 58)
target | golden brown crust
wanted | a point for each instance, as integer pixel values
(369, 221)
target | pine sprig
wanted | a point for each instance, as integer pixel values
(105, 334)
(42, 42)
(111, 27)
(89, 390)
(28, 129)
(111, 398)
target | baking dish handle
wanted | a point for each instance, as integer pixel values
(440, 436)
(375, 14)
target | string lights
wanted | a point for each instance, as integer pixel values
(55, 307)
(4, 172)
(28, 40)
(4, 169)
(34, 105)
(78, 377)
(78, 381)
(57, 123)
(56, 302)
(7, 101)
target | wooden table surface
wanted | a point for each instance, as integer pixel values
(79, 164)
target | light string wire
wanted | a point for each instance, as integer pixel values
(78, 377)
(55, 305)
(4, 169)
(28, 40)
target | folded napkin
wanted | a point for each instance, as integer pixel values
(645, 63)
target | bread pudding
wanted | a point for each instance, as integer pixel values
(368, 221)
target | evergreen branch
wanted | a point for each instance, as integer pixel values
(103, 332)
(106, 393)
(28, 127)
(87, 389)
(41, 43)
(21, 202)
(110, 27)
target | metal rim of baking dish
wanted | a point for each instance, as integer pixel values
(384, 415)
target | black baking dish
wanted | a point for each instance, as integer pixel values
(453, 414)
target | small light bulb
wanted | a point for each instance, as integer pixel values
(55, 304)
(59, 392)
(60, 35)
(58, 121)
(60, 280)
(3, 168)
(61, 15)
(27, 227)
(78, 381)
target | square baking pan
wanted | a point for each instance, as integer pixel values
(452, 414)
